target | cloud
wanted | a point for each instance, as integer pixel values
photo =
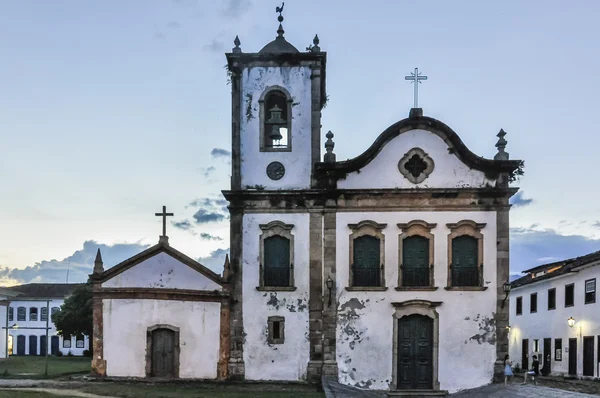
(215, 46)
(203, 216)
(215, 260)
(209, 171)
(185, 225)
(173, 25)
(207, 236)
(236, 8)
(219, 152)
(219, 205)
(519, 201)
(530, 247)
(79, 265)
(596, 224)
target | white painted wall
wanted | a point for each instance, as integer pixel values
(162, 272)
(553, 323)
(3, 309)
(286, 361)
(37, 328)
(364, 335)
(126, 323)
(448, 172)
(297, 162)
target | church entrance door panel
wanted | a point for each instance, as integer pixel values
(20, 345)
(54, 345)
(415, 352)
(588, 355)
(33, 345)
(163, 353)
(43, 347)
(572, 356)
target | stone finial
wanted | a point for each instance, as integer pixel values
(315, 47)
(415, 112)
(501, 144)
(226, 268)
(98, 264)
(163, 240)
(237, 42)
(329, 144)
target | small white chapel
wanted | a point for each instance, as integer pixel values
(385, 271)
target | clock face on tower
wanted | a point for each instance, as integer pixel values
(275, 171)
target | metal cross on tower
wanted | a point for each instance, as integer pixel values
(164, 215)
(416, 79)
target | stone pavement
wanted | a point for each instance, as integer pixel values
(515, 390)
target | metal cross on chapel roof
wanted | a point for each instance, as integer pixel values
(164, 216)
(416, 79)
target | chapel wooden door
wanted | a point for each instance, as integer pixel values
(21, 345)
(588, 355)
(163, 353)
(415, 353)
(572, 356)
(33, 345)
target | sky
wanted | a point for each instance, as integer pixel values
(110, 110)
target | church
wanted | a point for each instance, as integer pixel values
(385, 271)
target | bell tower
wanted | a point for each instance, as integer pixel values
(276, 99)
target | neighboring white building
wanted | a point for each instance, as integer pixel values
(26, 320)
(555, 314)
(5, 297)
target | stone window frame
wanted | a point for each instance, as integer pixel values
(419, 228)
(176, 348)
(263, 112)
(416, 307)
(271, 229)
(426, 158)
(270, 321)
(367, 228)
(473, 229)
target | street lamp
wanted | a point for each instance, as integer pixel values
(571, 321)
(506, 287)
(329, 283)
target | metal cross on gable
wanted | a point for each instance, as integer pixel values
(416, 78)
(164, 216)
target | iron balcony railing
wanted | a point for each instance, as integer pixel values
(365, 277)
(276, 276)
(415, 276)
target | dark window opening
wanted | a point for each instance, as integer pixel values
(33, 314)
(366, 267)
(590, 291)
(558, 349)
(276, 329)
(569, 295)
(277, 261)
(551, 299)
(415, 261)
(519, 305)
(276, 333)
(533, 303)
(465, 270)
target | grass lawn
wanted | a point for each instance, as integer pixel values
(27, 394)
(201, 390)
(32, 367)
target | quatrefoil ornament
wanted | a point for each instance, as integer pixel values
(416, 165)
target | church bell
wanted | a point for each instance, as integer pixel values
(277, 123)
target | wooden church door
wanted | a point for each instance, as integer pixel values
(163, 353)
(415, 353)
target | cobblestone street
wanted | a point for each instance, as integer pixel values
(521, 390)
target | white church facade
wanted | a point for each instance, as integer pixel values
(384, 271)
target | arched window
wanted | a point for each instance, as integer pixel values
(21, 314)
(276, 257)
(33, 314)
(465, 245)
(44, 314)
(11, 313)
(53, 311)
(275, 111)
(415, 246)
(367, 256)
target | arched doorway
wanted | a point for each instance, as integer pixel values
(20, 345)
(33, 345)
(415, 353)
(162, 355)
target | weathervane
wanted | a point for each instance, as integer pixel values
(280, 30)
(416, 79)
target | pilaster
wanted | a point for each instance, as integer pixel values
(315, 298)
(330, 367)
(236, 367)
(315, 117)
(502, 275)
(98, 361)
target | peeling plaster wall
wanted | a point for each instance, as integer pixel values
(287, 361)
(553, 323)
(448, 172)
(296, 80)
(162, 271)
(467, 349)
(125, 335)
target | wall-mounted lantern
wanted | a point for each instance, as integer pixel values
(329, 283)
(571, 321)
(506, 287)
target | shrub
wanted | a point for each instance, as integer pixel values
(69, 354)
(59, 353)
(87, 353)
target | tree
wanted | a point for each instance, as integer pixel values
(76, 316)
